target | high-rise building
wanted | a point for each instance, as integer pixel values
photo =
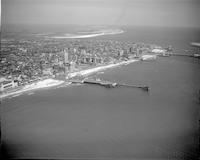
(75, 50)
(66, 62)
(66, 57)
(121, 52)
(131, 50)
(76, 58)
(72, 66)
(83, 51)
(41, 67)
(138, 52)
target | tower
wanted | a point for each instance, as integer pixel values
(66, 62)
(41, 67)
(131, 50)
(138, 52)
(66, 57)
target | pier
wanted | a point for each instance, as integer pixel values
(144, 87)
(109, 84)
(106, 84)
(186, 55)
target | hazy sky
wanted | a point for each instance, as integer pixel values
(184, 13)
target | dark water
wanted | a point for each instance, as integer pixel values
(122, 123)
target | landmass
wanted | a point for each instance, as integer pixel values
(32, 62)
(49, 82)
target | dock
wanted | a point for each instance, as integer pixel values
(109, 84)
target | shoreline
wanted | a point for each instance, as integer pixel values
(99, 68)
(47, 83)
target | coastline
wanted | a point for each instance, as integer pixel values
(37, 85)
(99, 68)
(47, 83)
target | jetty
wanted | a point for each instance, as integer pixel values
(109, 84)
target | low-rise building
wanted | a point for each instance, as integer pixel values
(7, 85)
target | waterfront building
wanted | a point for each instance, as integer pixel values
(121, 52)
(83, 51)
(47, 71)
(66, 62)
(125, 54)
(75, 50)
(76, 58)
(72, 66)
(41, 67)
(91, 59)
(131, 50)
(158, 51)
(7, 85)
(138, 52)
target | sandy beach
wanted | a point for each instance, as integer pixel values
(37, 85)
(47, 83)
(100, 68)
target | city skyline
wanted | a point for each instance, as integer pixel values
(171, 13)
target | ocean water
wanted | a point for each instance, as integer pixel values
(88, 121)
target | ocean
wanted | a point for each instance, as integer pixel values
(88, 121)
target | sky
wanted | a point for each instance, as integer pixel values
(170, 13)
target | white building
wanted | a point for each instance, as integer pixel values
(8, 84)
(158, 51)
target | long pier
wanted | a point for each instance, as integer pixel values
(102, 83)
(109, 84)
(186, 55)
(144, 87)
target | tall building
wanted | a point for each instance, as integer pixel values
(41, 67)
(66, 62)
(7, 84)
(138, 52)
(131, 50)
(75, 50)
(66, 57)
(72, 66)
(83, 51)
(76, 59)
